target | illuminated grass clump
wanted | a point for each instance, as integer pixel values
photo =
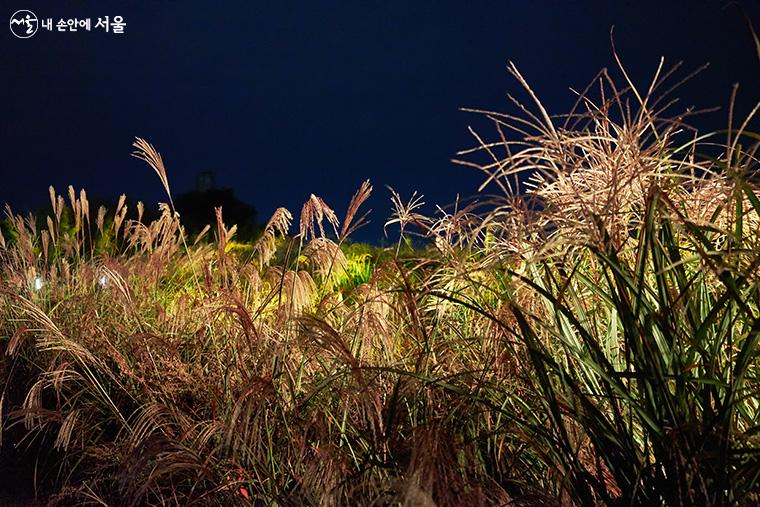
(589, 337)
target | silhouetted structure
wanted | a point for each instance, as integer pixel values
(204, 181)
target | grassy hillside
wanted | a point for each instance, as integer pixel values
(587, 336)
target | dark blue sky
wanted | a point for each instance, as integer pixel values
(283, 99)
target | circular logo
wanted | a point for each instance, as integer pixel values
(24, 24)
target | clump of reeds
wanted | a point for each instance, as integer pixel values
(588, 337)
(640, 314)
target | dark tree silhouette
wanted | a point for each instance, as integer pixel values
(196, 209)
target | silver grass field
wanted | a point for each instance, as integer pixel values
(587, 334)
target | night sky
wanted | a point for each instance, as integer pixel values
(283, 99)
